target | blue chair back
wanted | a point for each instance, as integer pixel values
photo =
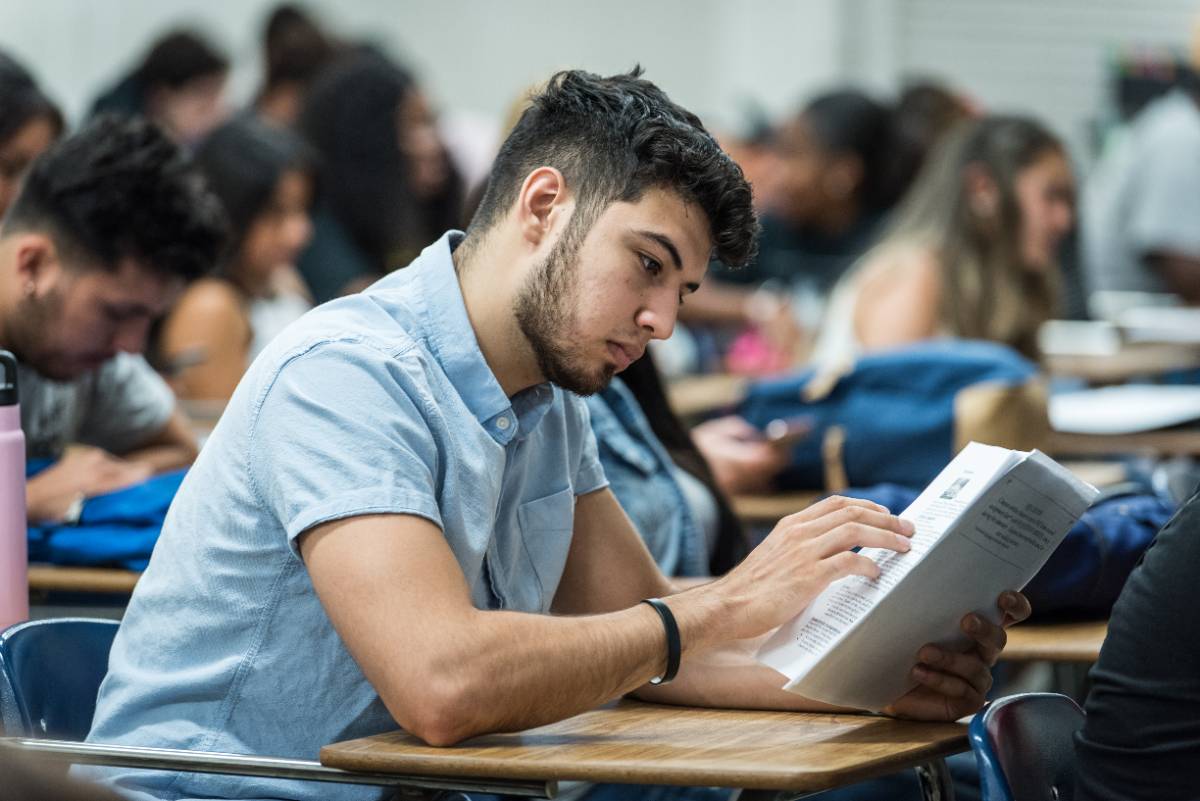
(50, 674)
(1025, 747)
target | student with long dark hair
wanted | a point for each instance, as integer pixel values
(263, 177)
(388, 185)
(29, 123)
(840, 169)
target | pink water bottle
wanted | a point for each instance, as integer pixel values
(14, 561)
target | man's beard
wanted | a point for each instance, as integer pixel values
(545, 311)
(26, 334)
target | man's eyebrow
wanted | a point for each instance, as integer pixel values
(666, 242)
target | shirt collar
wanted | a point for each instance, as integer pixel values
(453, 343)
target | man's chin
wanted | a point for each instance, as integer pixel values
(68, 370)
(585, 385)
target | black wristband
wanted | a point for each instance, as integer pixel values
(673, 645)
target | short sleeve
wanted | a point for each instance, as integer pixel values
(1165, 207)
(343, 429)
(589, 474)
(128, 405)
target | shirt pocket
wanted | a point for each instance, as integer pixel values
(546, 527)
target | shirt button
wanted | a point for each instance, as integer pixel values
(502, 423)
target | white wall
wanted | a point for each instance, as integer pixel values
(473, 55)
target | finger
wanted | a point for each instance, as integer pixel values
(968, 666)
(989, 638)
(859, 535)
(959, 692)
(848, 563)
(830, 504)
(1015, 606)
(869, 516)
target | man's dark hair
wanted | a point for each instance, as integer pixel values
(612, 139)
(118, 189)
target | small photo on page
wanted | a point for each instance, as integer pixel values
(952, 491)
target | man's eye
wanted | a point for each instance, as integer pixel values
(653, 266)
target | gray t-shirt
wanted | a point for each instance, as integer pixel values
(1144, 196)
(119, 406)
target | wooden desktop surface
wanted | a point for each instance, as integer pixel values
(1131, 361)
(638, 743)
(701, 394)
(1055, 642)
(1169, 442)
(82, 579)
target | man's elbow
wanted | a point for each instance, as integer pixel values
(444, 712)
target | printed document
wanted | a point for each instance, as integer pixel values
(986, 524)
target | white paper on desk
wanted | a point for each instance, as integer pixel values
(1126, 409)
(1155, 324)
(986, 524)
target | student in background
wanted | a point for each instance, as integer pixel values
(29, 123)
(108, 226)
(295, 50)
(1139, 228)
(388, 187)
(971, 252)
(180, 84)
(841, 168)
(264, 179)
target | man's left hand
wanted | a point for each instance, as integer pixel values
(952, 684)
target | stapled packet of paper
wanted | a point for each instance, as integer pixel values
(986, 524)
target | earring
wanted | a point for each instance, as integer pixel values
(30, 288)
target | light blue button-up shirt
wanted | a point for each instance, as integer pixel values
(376, 403)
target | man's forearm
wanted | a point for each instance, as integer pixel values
(545, 667)
(516, 670)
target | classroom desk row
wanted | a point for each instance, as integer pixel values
(769, 755)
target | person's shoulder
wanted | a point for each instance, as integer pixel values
(900, 264)
(1172, 121)
(215, 301)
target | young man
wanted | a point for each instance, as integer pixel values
(108, 226)
(402, 520)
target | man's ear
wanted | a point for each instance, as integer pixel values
(38, 264)
(542, 204)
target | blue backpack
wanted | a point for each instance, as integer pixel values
(899, 416)
(119, 528)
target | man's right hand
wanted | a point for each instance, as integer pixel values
(80, 473)
(803, 555)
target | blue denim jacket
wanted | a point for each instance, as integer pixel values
(644, 478)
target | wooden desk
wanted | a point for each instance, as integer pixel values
(637, 743)
(1172, 442)
(699, 395)
(1055, 642)
(49, 578)
(1131, 361)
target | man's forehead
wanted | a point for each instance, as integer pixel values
(663, 215)
(135, 282)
